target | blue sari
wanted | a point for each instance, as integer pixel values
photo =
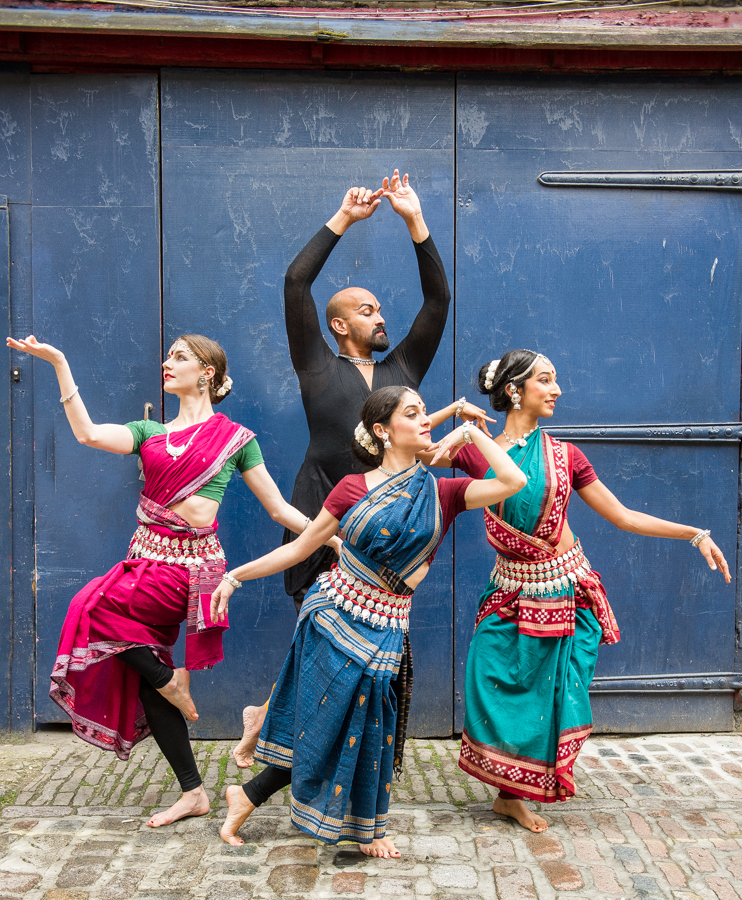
(332, 714)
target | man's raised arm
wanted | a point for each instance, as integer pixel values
(307, 346)
(416, 351)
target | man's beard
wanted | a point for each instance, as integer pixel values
(379, 341)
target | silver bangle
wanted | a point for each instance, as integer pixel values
(701, 536)
(460, 407)
(67, 399)
(465, 431)
(307, 523)
(230, 579)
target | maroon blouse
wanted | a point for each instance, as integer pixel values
(470, 460)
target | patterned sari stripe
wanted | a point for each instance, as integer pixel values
(274, 755)
(331, 830)
(532, 779)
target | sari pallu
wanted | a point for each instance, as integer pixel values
(168, 577)
(534, 648)
(333, 712)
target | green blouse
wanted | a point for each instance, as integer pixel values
(245, 458)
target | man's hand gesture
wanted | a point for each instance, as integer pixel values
(406, 203)
(360, 203)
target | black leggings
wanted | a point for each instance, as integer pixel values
(265, 784)
(165, 721)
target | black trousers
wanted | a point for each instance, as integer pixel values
(166, 721)
(266, 783)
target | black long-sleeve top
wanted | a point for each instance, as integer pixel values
(333, 390)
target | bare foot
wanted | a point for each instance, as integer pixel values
(252, 720)
(239, 809)
(517, 810)
(178, 693)
(192, 803)
(381, 847)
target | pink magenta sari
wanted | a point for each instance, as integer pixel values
(168, 576)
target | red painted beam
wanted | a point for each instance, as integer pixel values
(66, 52)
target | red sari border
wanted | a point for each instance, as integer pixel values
(531, 779)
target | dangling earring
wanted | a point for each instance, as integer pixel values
(201, 384)
(387, 442)
(515, 396)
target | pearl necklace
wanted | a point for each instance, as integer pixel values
(357, 361)
(177, 452)
(520, 442)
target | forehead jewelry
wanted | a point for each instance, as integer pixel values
(181, 345)
(536, 357)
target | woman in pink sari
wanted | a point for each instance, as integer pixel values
(114, 675)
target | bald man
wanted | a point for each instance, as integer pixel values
(334, 387)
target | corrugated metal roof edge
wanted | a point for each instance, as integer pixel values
(701, 30)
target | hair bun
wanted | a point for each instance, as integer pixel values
(225, 388)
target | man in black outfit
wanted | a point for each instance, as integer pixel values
(334, 388)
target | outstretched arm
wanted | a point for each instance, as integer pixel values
(260, 482)
(306, 343)
(114, 438)
(318, 533)
(483, 491)
(606, 504)
(417, 350)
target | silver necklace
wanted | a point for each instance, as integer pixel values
(177, 452)
(521, 442)
(387, 472)
(357, 361)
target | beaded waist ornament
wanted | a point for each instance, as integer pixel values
(541, 578)
(183, 551)
(373, 605)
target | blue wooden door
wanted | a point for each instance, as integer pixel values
(253, 164)
(96, 295)
(635, 296)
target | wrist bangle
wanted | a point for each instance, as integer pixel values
(307, 523)
(67, 399)
(465, 431)
(230, 579)
(460, 407)
(701, 536)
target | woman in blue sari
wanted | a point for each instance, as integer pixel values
(331, 722)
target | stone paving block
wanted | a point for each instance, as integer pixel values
(453, 876)
(296, 853)
(646, 887)
(293, 879)
(563, 876)
(494, 850)
(17, 883)
(349, 882)
(722, 888)
(434, 847)
(604, 879)
(673, 873)
(66, 895)
(229, 890)
(514, 883)
(544, 846)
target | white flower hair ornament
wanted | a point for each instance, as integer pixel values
(225, 388)
(489, 378)
(365, 439)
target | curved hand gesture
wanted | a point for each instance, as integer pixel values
(404, 200)
(32, 346)
(220, 601)
(714, 557)
(360, 203)
(450, 445)
(475, 414)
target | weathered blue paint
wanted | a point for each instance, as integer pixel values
(6, 504)
(253, 164)
(96, 296)
(635, 297)
(18, 611)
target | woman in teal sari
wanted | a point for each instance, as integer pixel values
(332, 720)
(544, 612)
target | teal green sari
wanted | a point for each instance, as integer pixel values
(535, 645)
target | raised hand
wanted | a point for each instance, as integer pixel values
(449, 445)
(475, 414)
(360, 203)
(398, 192)
(32, 346)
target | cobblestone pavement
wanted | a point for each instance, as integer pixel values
(655, 817)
